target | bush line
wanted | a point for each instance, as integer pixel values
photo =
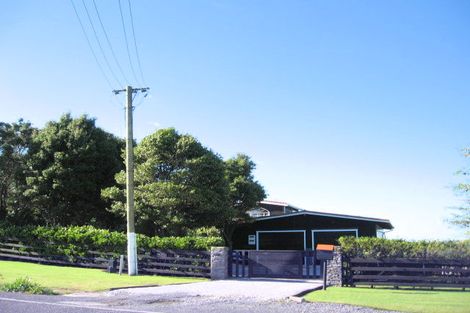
(371, 247)
(78, 240)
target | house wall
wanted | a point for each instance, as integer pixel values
(300, 222)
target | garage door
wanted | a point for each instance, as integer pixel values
(281, 240)
(330, 236)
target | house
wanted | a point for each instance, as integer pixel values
(281, 226)
(272, 208)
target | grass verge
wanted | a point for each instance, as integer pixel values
(25, 284)
(404, 300)
(73, 279)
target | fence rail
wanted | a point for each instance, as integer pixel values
(176, 262)
(408, 272)
(15, 251)
(167, 262)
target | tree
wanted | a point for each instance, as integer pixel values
(15, 142)
(71, 160)
(179, 185)
(461, 217)
(244, 193)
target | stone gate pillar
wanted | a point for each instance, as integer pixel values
(334, 272)
(219, 262)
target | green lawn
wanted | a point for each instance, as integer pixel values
(405, 300)
(73, 279)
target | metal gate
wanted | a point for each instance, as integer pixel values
(274, 264)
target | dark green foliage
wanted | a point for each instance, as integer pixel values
(71, 172)
(244, 193)
(78, 240)
(179, 185)
(70, 161)
(183, 243)
(371, 247)
(15, 142)
(25, 284)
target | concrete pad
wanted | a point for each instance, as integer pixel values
(262, 289)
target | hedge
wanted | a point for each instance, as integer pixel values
(78, 240)
(371, 247)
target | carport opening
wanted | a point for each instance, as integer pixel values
(281, 240)
(327, 236)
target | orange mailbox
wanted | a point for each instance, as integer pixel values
(325, 252)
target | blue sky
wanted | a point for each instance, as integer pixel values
(356, 107)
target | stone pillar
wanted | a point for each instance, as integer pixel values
(334, 272)
(219, 262)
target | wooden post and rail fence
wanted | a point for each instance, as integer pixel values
(221, 263)
(401, 272)
(165, 262)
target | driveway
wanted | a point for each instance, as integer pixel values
(260, 289)
(96, 303)
(228, 296)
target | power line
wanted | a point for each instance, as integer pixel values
(127, 43)
(109, 43)
(90, 46)
(99, 44)
(135, 42)
(141, 100)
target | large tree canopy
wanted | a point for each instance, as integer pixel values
(179, 185)
(70, 162)
(244, 193)
(15, 141)
(71, 172)
(462, 215)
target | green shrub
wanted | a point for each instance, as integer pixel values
(76, 241)
(204, 232)
(25, 284)
(371, 247)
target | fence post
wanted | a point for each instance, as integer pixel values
(230, 263)
(250, 265)
(237, 263)
(111, 265)
(314, 262)
(121, 263)
(307, 264)
(219, 262)
(242, 256)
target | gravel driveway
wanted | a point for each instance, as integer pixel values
(15, 303)
(260, 289)
(229, 296)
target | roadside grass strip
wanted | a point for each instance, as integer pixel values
(25, 284)
(62, 279)
(404, 300)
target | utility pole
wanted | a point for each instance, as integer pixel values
(131, 237)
